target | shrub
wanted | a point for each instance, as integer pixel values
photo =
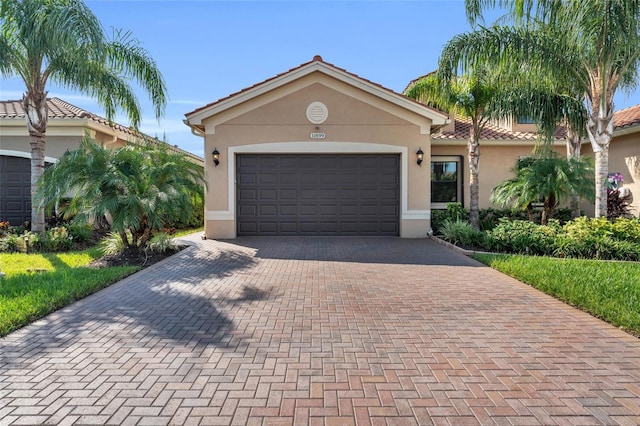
(454, 212)
(161, 243)
(461, 233)
(111, 244)
(12, 243)
(80, 231)
(56, 239)
(523, 237)
(600, 239)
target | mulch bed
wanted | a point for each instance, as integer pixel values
(133, 257)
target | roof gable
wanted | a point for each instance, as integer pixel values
(317, 65)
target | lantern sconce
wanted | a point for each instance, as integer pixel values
(420, 156)
(216, 156)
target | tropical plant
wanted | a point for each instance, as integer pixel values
(140, 189)
(591, 45)
(468, 96)
(547, 179)
(62, 41)
(485, 93)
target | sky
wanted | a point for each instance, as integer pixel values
(208, 49)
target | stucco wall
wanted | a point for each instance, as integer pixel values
(496, 161)
(277, 122)
(55, 146)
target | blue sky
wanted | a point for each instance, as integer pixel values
(207, 50)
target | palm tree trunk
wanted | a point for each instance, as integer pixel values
(474, 187)
(573, 151)
(35, 107)
(600, 131)
(602, 170)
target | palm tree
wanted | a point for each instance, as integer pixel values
(547, 179)
(469, 97)
(593, 44)
(62, 41)
(140, 188)
(483, 95)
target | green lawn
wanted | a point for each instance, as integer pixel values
(28, 296)
(607, 290)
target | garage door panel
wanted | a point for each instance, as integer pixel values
(267, 194)
(288, 194)
(308, 194)
(288, 209)
(308, 209)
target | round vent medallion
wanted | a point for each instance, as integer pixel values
(317, 112)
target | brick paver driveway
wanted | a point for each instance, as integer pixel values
(319, 331)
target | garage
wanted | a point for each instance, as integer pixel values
(318, 194)
(15, 190)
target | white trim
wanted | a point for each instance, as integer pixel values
(22, 154)
(318, 148)
(219, 215)
(416, 215)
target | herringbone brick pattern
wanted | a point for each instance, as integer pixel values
(311, 331)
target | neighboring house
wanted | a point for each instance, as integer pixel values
(318, 150)
(67, 126)
(624, 153)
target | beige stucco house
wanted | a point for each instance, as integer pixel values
(318, 150)
(67, 126)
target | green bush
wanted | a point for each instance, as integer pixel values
(523, 237)
(454, 212)
(162, 242)
(461, 233)
(12, 243)
(55, 239)
(112, 244)
(600, 239)
(80, 231)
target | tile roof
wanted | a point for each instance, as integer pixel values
(626, 117)
(316, 58)
(623, 118)
(489, 132)
(59, 109)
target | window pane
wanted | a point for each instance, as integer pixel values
(444, 181)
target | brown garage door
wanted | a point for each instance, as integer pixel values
(318, 194)
(15, 190)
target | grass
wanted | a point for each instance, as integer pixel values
(607, 290)
(28, 296)
(183, 232)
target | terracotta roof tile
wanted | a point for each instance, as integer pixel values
(490, 132)
(627, 117)
(59, 109)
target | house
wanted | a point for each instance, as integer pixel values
(67, 126)
(318, 150)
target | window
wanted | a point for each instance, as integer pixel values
(525, 120)
(446, 181)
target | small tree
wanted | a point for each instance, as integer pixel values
(62, 41)
(547, 179)
(139, 188)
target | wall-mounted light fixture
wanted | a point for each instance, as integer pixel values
(420, 156)
(216, 156)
